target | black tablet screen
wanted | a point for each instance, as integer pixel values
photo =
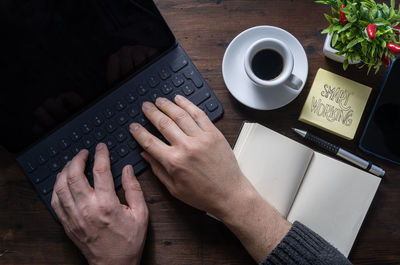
(58, 57)
(381, 136)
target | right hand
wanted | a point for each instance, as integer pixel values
(198, 167)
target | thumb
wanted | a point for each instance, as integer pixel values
(133, 192)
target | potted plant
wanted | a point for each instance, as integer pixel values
(362, 31)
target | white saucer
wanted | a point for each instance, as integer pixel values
(240, 85)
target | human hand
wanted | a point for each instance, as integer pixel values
(198, 166)
(106, 231)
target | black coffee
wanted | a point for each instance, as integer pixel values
(267, 64)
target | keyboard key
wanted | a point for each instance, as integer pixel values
(76, 136)
(164, 73)
(178, 63)
(111, 142)
(211, 105)
(178, 80)
(191, 74)
(42, 159)
(136, 158)
(142, 89)
(133, 112)
(30, 166)
(53, 151)
(122, 150)
(99, 134)
(48, 185)
(64, 143)
(132, 144)
(122, 119)
(98, 120)
(88, 142)
(167, 88)
(111, 126)
(40, 175)
(108, 113)
(121, 135)
(86, 128)
(153, 81)
(142, 120)
(173, 95)
(55, 165)
(120, 105)
(188, 89)
(155, 94)
(199, 97)
(76, 149)
(67, 156)
(113, 157)
(132, 97)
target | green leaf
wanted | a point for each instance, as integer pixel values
(347, 26)
(334, 39)
(325, 31)
(354, 42)
(385, 10)
(364, 48)
(373, 50)
(328, 17)
(392, 14)
(345, 64)
(372, 13)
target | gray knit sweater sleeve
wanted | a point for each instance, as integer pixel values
(303, 246)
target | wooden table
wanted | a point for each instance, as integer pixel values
(179, 234)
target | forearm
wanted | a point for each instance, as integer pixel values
(303, 246)
(255, 222)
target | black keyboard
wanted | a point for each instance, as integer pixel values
(108, 121)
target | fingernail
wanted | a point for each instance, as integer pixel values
(178, 98)
(161, 100)
(147, 105)
(129, 170)
(100, 146)
(134, 127)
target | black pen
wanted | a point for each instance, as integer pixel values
(367, 165)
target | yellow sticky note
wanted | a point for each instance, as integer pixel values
(335, 104)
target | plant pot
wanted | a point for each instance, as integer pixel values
(331, 52)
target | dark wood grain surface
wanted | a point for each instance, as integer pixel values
(179, 234)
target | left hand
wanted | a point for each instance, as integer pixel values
(106, 231)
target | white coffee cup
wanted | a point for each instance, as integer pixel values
(286, 77)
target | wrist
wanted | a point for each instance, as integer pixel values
(237, 205)
(255, 222)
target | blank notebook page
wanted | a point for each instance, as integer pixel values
(273, 163)
(333, 200)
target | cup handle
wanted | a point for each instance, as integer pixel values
(294, 82)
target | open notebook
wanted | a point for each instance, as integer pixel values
(329, 196)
